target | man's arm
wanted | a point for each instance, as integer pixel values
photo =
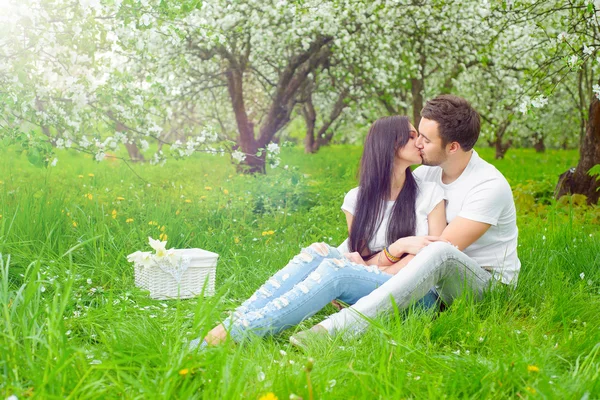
(463, 232)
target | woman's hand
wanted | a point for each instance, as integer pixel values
(355, 257)
(412, 244)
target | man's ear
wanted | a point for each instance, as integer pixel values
(453, 147)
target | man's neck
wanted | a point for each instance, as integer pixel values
(453, 168)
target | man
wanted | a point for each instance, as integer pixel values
(482, 230)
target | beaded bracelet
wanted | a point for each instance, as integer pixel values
(391, 258)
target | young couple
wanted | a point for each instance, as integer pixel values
(400, 247)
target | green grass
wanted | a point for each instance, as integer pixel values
(74, 326)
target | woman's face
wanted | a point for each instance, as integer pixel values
(410, 153)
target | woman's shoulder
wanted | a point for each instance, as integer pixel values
(353, 192)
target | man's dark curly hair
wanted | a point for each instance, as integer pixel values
(457, 119)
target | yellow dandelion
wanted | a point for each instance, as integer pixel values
(80, 176)
(236, 240)
(531, 390)
(114, 214)
(207, 188)
(74, 224)
(68, 214)
(225, 191)
(268, 396)
(184, 371)
(0, 216)
(129, 220)
(153, 223)
(162, 228)
(89, 196)
(177, 212)
(205, 174)
(230, 176)
(270, 232)
(533, 368)
(120, 198)
(1, 182)
(188, 201)
(202, 197)
(163, 236)
(91, 175)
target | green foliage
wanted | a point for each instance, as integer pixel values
(74, 326)
(595, 171)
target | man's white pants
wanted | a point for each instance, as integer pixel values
(438, 265)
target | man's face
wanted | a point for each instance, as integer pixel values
(429, 143)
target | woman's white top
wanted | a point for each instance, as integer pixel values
(429, 195)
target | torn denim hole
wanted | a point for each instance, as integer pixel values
(281, 302)
(321, 248)
(315, 276)
(265, 292)
(373, 269)
(253, 298)
(285, 277)
(303, 287)
(274, 282)
(338, 262)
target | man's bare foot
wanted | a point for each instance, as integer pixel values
(301, 338)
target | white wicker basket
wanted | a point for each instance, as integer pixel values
(194, 275)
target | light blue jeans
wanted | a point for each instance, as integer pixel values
(312, 279)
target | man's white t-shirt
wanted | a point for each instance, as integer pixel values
(482, 194)
(429, 195)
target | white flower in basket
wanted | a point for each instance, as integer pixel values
(174, 273)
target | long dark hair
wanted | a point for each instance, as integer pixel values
(386, 136)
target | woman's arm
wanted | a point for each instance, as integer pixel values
(349, 219)
(436, 220)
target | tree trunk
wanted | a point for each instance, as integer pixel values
(417, 85)
(310, 118)
(283, 101)
(325, 133)
(539, 145)
(577, 180)
(135, 154)
(501, 148)
(247, 142)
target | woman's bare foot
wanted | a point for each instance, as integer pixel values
(216, 336)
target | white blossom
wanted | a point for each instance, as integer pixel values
(273, 148)
(238, 156)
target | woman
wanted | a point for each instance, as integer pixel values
(389, 208)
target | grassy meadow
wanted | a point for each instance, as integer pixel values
(73, 326)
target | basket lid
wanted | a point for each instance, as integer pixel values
(198, 254)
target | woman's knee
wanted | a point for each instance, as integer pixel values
(439, 248)
(318, 250)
